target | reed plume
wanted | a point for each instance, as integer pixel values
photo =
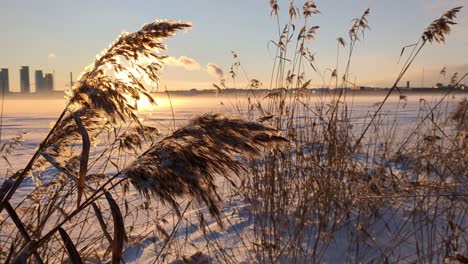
(441, 27)
(108, 91)
(186, 162)
(341, 42)
(121, 74)
(359, 25)
(67, 131)
(309, 8)
(293, 10)
(274, 7)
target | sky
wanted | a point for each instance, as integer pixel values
(63, 36)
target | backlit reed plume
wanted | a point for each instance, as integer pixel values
(309, 8)
(187, 162)
(133, 140)
(107, 91)
(441, 27)
(68, 132)
(121, 74)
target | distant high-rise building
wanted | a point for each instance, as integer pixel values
(24, 80)
(48, 82)
(39, 78)
(4, 81)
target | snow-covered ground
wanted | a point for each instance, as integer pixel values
(33, 118)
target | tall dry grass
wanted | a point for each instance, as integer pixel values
(365, 194)
(332, 191)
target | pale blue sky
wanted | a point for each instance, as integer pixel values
(75, 31)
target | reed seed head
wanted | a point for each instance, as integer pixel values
(441, 27)
(187, 162)
(121, 74)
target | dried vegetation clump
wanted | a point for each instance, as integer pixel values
(90, 136)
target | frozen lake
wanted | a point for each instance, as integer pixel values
(34, 116)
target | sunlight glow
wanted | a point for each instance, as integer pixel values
(145, 105)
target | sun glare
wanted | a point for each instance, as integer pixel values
(145, 105)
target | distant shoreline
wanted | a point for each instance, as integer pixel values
(239, 92)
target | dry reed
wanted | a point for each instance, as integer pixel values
(332, 188)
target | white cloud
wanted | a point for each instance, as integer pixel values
(191, 65)
(51, 56)
(215, 71)
(183, 61)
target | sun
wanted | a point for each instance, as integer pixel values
(144, 104)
